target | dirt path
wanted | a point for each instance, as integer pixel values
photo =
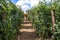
(27, 32)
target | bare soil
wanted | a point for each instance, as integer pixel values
(27, 32)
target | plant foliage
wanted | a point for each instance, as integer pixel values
(10, 20)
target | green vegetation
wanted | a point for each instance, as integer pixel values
(10, 20)
(46, 19)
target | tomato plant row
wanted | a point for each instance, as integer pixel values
(46, 19)
(10, 20)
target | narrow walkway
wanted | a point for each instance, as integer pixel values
(27, 32)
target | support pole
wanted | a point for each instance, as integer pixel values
(53, 20)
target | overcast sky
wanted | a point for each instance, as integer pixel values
(26, 4)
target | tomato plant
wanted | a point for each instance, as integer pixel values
(46, 24)
(11, 19)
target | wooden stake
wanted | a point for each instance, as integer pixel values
(53, 20)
